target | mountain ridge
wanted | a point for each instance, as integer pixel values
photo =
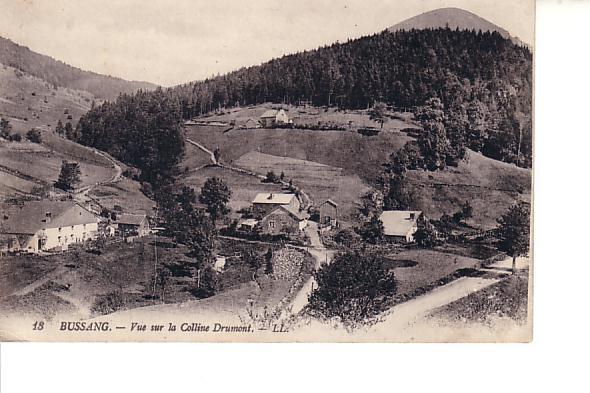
(61, 74)
(453, 17)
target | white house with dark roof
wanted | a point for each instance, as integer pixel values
(46, 225)
(400, 224)
(273, 117)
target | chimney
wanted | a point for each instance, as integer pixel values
(48, 217)
(270, 196)
(412, 216)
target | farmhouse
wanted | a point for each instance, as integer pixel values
(264, 203)
(133, 225)
(283, 220)
(329, 213)
(273, 117)
(46, 225)
(400, 225)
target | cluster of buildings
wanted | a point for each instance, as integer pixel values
(46, 225)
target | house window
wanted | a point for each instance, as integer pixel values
(271, 224)
(59, 229)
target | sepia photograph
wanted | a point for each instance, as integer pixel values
(263, 171)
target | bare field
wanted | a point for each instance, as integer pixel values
(11, 185)
(125, 193)
(46, 165)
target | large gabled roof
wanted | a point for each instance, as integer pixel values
(399, 222)
(273, 199)
(33, 216)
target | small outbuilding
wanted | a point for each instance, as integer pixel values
(133, 225)
(329, 213)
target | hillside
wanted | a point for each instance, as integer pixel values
(490, 186)
(59, 74)
(30, 102)
(453, 18)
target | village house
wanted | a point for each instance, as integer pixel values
(264, 203)
(400, 225)
(133, 225)
(273, 117)
(46, 225)
(329, 213)
(283, 220)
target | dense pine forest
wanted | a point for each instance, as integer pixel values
(482, 78)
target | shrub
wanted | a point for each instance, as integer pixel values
(34, 135)
(354, 288)
(109, 303)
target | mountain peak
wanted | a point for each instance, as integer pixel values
(452, 18)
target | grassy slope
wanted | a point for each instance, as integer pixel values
(351, 151)
(506, 299)
(490, 186)
(43, 109)
(43, 162)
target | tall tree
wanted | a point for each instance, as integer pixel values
(215, 194)
(514, 231)
(69, 176)
(378, 113)
(59, 128)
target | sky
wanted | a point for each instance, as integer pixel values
(173, 42)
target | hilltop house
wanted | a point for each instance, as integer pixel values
(264, 203)
(46, 225)
(273, 117)
(133, 225)
(400, 225)
(329, 213)
(283, 219)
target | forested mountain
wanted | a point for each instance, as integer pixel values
(483, 72)
(60, 74)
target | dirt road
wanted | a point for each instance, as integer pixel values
(322, 255)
